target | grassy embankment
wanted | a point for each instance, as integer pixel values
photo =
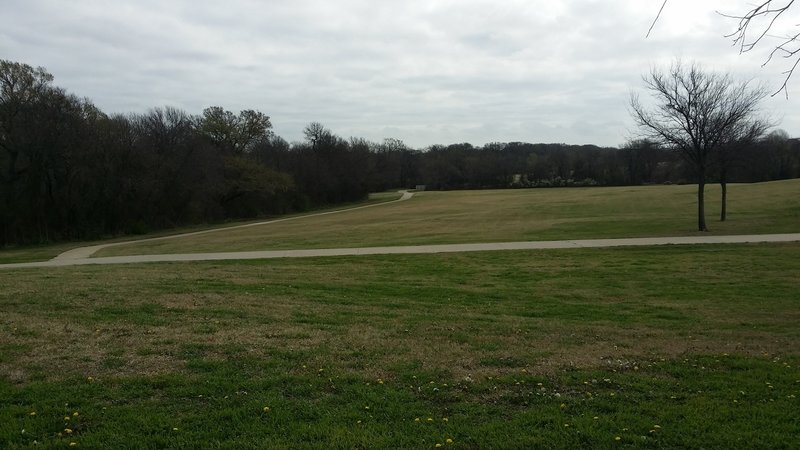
(45, 252)
(510, 215)
(484, 216)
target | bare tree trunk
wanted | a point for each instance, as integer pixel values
(701, 207)
(723, 182)
(12, 166)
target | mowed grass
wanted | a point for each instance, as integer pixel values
(33, 253)
(510, 215)
(669, 347)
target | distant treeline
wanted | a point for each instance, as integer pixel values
(517, 164)
(70, 171)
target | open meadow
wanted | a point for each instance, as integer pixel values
(510, 215)
(647, 347)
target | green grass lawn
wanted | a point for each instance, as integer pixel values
(668, 347)
(510, 215)
(34, 253)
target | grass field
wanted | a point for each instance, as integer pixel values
(45, 252)
(510, 215)
(669, 347)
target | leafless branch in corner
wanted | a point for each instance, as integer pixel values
(766, 14)
(656, 19)
(754, 26)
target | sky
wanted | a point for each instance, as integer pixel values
(423, 71)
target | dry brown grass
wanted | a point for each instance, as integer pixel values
(509, 215)
(63, 348)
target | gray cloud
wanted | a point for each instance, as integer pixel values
(423, 71)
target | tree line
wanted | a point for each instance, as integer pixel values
(70, 171)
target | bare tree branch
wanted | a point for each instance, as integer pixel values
(754, 27)
(656, 19)
(762, 10)
(767, 12)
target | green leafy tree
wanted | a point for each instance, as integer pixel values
(232, 133)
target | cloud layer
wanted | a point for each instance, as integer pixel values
(422, 71)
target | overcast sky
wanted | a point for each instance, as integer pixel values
(427, 72)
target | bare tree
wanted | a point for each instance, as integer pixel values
(757, 24)
(20, 87)
(696, 113)
(739, 137)
(314, 133)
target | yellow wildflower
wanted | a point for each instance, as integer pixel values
(68, 430)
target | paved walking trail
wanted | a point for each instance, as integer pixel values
(87, 252)
(416, 249)
(82, 255)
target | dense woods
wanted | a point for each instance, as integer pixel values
(70, 171)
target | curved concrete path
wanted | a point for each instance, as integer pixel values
(417, 249)
(86, 252)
